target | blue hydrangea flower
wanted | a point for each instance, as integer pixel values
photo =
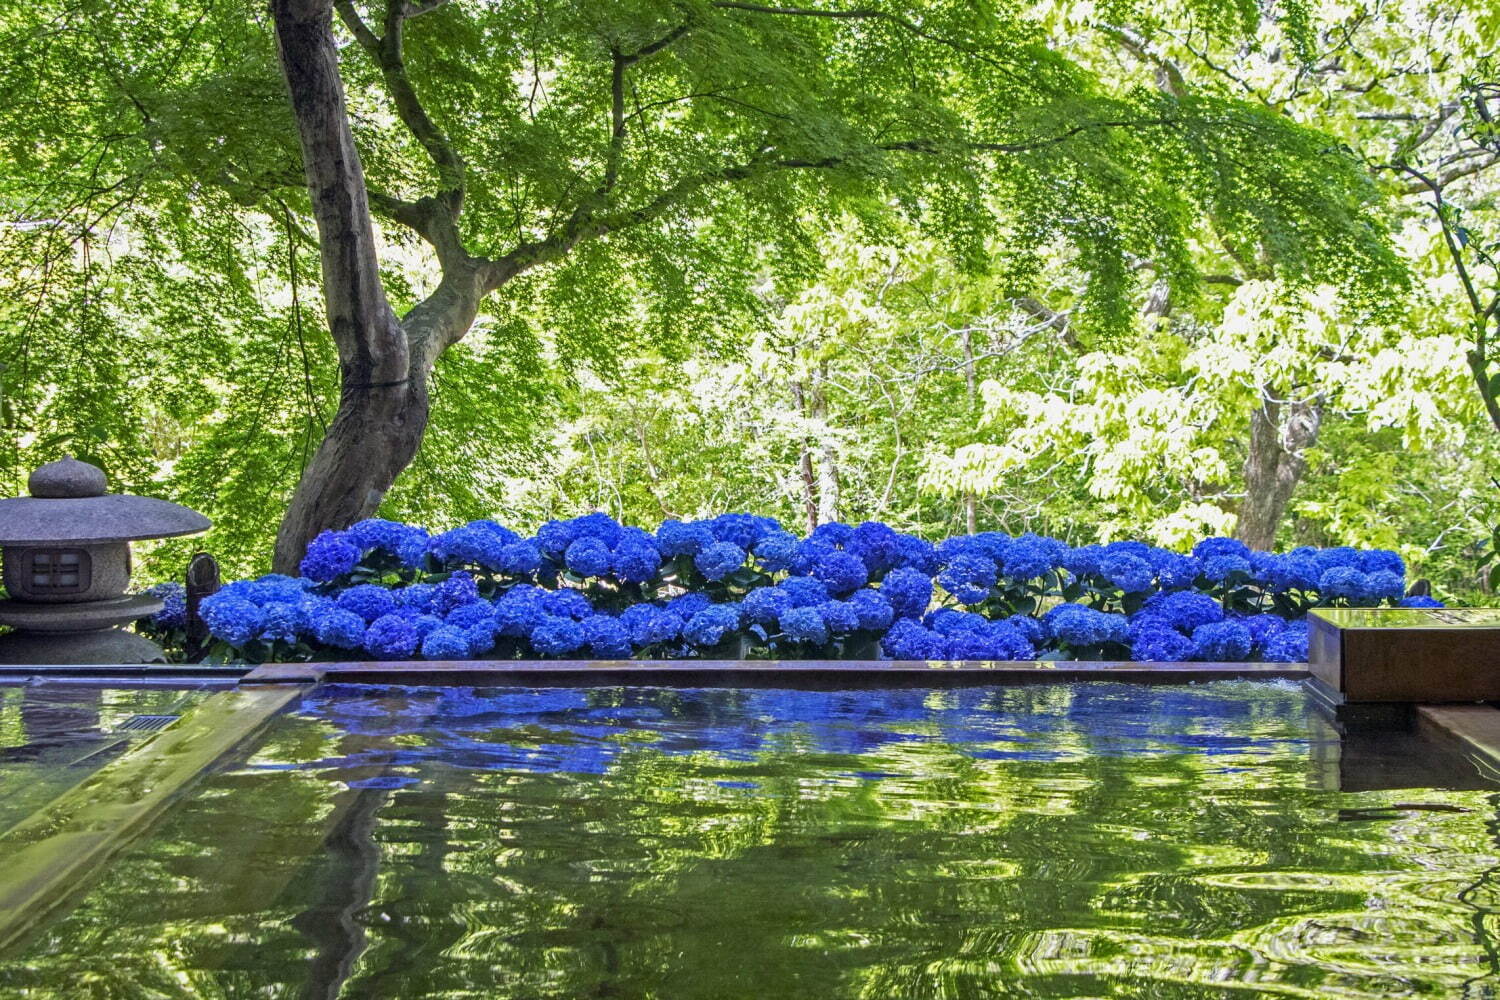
(481, 638)
(467, 615)
(1032, 556)
(1083, 560)
(519, 558)
(1225, 641)
(588, 556)
(709, 626)
(947, 621)
(445, 643)
(809, 552)
(635, 561)
(332, 626)
(765, 606)
(566, 603)
(391, 637)
(1076, 625)
(478, 543)
(804, 625)
(606, 637)
(689, 604)
(554, 537)
(282, 621)
(368, 600)
(996, 641)
(840, 572)
(1216, 548)
(874, 611)
(1184, 609)
(404, 541)
(1031, 629)
(743, 530)
(1160, 642)
(916, 553)
(1175, 571)
(1288, 647)
(232, 619)
(969, 578)
(173, 597)
(418, 597)
(1420, 601)
(1381, 561)
(598, 525)
(649, 625)
(423, 625)
(1226, 569)
(271, 587)
(1139, 550)
(1130, 573)
(841, 617)
(1296, 570)
(908, 591)
(832, 533)
(454, 592)
(675, 538)
(774, 551)
(909, 640)
(1383, 584)
(1339, 556)
(719, 560)
(803, 591)
(518, 610)
(556, 636)
(1342, 581)
(1264, 627)
(877, 545)
(329, 556)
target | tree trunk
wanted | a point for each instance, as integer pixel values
(971, 502)
(384, 362)
(805, 463)
(1279, 434)
(828, 461)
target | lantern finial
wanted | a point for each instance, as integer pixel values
(67, 479)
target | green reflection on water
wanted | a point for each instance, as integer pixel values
(52, 736)
(1124, 866)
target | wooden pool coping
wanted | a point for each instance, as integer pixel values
(668, 673)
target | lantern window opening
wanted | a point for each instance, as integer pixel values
(58, 571)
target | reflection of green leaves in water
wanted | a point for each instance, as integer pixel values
(1125, 864)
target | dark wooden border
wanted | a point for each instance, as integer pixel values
(761, 673)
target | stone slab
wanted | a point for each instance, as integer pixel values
(82, 616)
(110, 647)
(1475, 726)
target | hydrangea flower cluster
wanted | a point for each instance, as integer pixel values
(738, 585)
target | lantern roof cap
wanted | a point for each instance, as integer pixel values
(69, 505)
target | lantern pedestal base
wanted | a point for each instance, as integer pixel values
(105, 645)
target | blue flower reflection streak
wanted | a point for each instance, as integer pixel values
(388, 735)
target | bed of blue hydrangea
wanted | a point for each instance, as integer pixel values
(741, 586)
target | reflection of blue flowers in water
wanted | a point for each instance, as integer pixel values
(584, 731)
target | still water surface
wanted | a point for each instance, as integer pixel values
(1054, 841)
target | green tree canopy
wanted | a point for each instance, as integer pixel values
(620, 173)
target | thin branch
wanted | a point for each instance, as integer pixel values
(388, 57)
(1469, 169)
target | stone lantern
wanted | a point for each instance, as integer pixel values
(66, 553)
